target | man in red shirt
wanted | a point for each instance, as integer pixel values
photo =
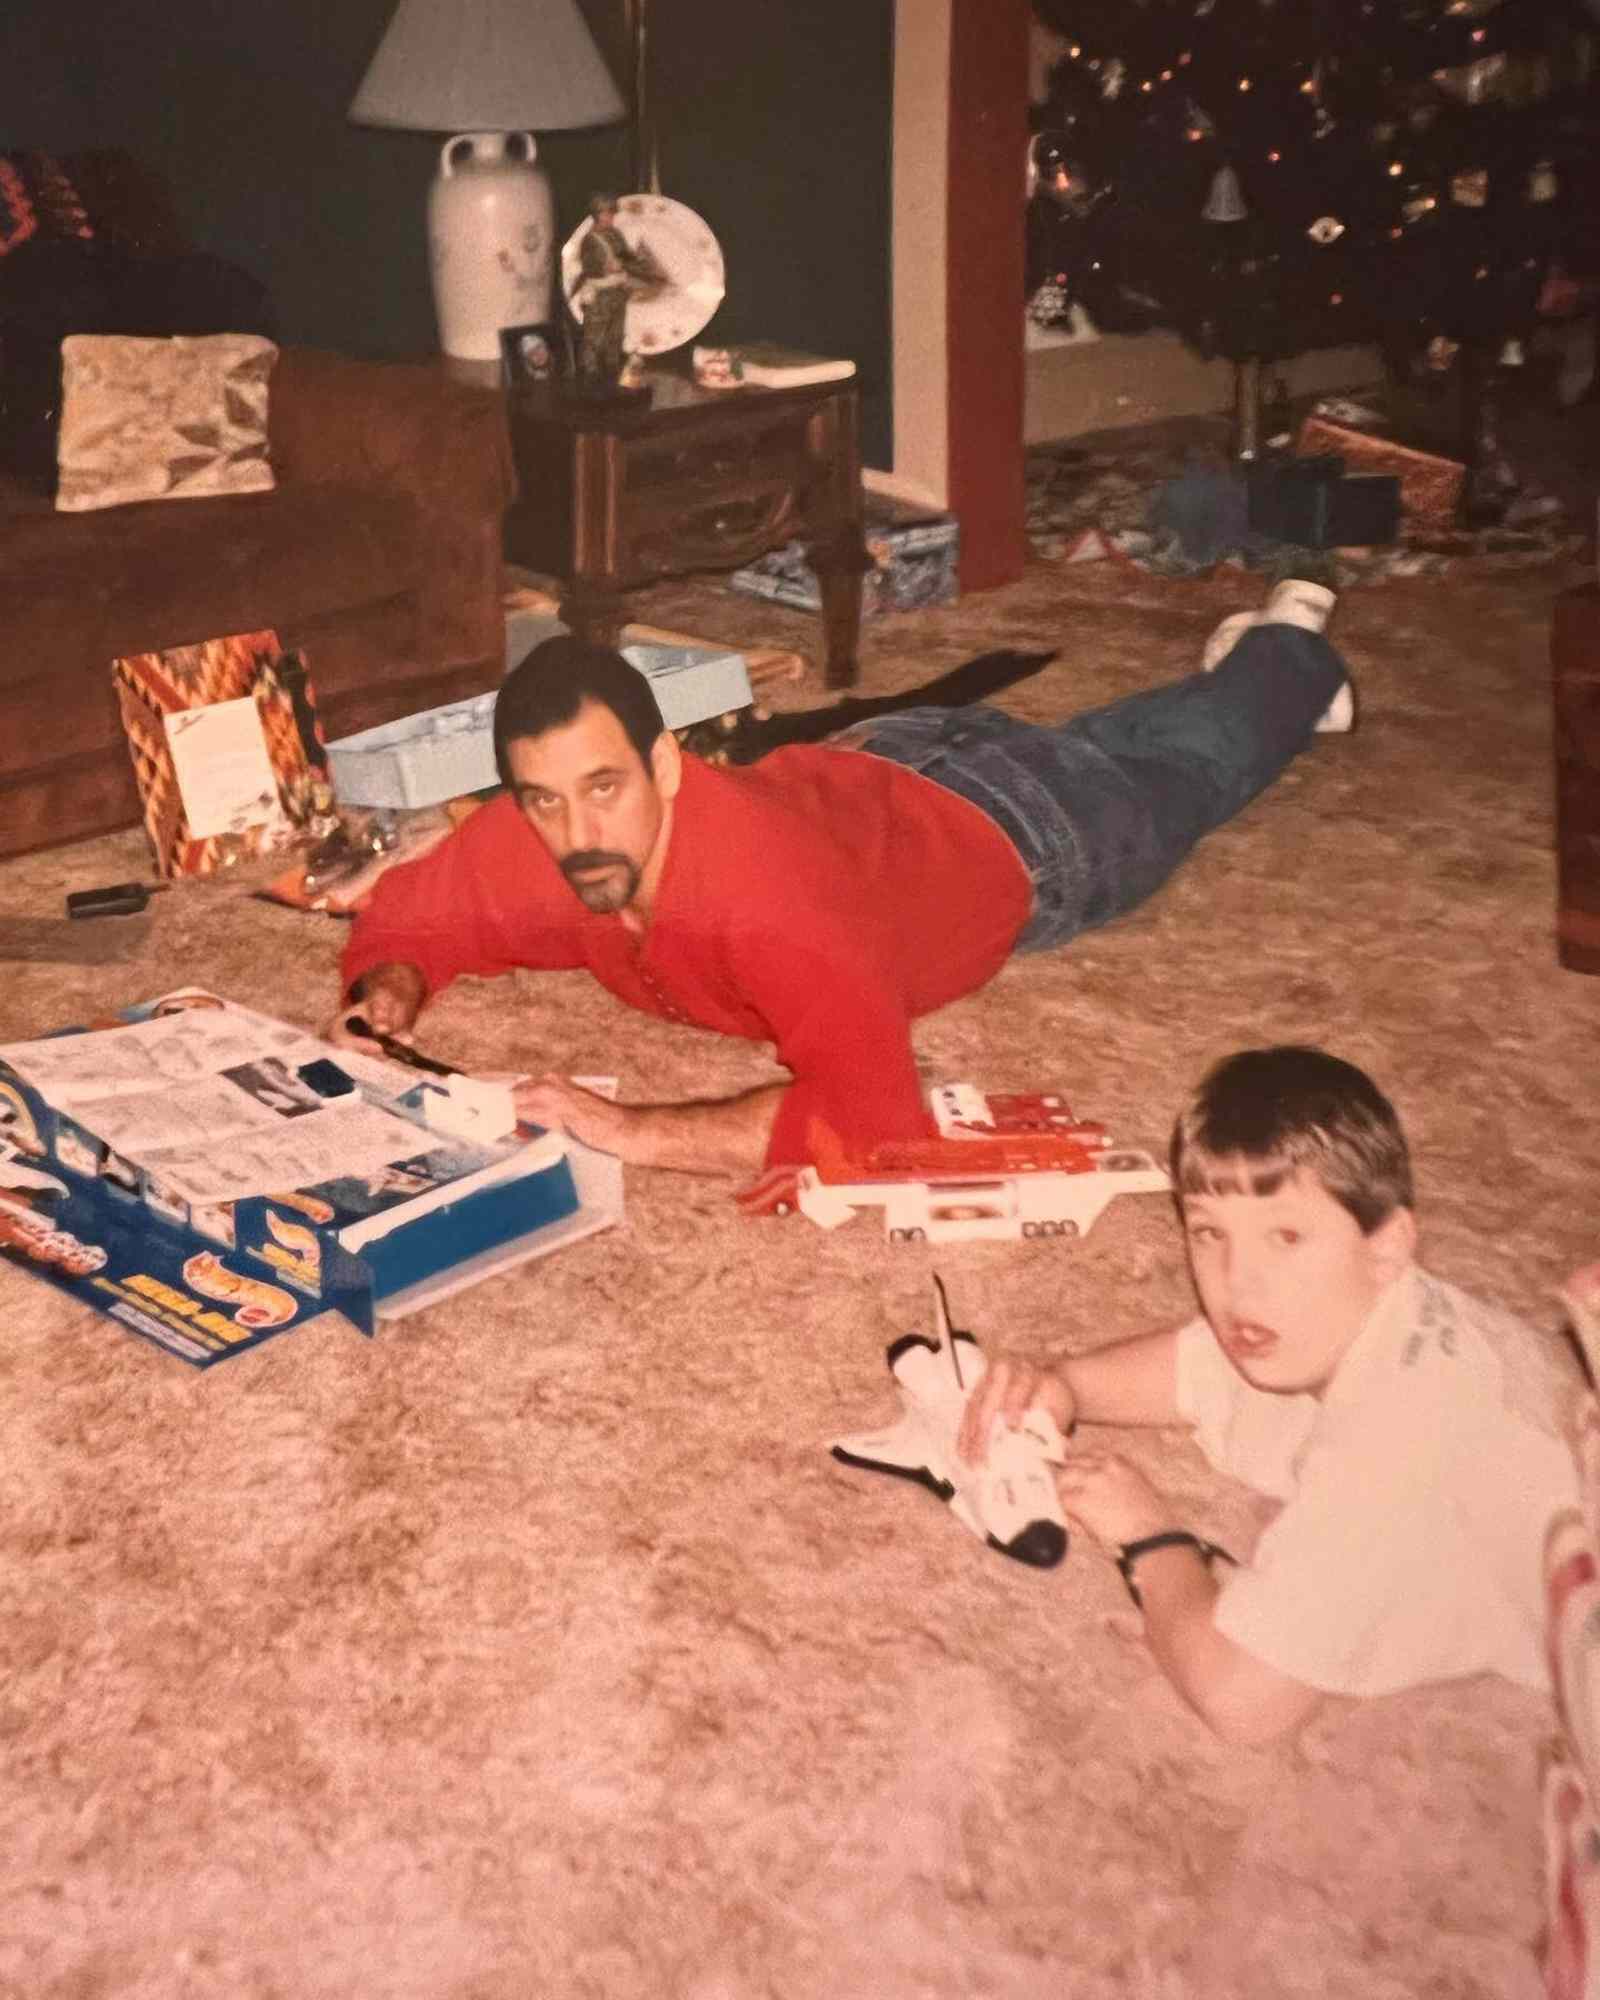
(822, 898)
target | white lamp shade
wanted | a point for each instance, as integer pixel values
(487, 66)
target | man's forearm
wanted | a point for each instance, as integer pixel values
(726, 1135)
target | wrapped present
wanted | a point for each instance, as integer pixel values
(913, 556)
(1311, 503)
(1430, 486)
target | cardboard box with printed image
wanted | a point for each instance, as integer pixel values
(208, 1177)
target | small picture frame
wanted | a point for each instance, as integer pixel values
(532, 352)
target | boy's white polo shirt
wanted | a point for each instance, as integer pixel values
(1417, 1494)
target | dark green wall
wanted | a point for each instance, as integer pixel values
(774, 124)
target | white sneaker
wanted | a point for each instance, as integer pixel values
(1226, 637)
(1293, 602)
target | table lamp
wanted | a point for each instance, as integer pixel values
(491, 72)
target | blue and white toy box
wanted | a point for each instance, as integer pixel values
(209, 1177)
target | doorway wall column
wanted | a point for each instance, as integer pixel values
(960, 134)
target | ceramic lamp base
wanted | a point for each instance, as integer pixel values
(491, 237)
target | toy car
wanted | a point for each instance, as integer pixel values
(1001, 1167)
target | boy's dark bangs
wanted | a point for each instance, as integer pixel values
(1207, 1173)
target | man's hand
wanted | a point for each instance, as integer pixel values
(1102, 1492)
(1010, 1389)
(561, 1106)
(387, 997)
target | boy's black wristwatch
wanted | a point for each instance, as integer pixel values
(1169, 1538)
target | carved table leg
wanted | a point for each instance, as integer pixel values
(593, 613)
(840, 560)
(1575, 659)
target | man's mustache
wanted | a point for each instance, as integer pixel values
(592, 857)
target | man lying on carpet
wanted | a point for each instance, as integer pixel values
(822, 898)
(1417, 1438)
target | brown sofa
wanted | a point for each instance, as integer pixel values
(378, 554)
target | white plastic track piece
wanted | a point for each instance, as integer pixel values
(467, 1107)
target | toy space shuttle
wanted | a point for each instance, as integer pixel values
(1010, 1500)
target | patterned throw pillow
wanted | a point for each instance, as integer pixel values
(175, 419)
(37, 199)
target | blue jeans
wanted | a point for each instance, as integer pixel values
(1103, 807)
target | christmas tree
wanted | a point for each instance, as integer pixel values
(1270, 176)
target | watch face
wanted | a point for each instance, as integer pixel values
(677, 280)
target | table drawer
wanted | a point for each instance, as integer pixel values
(711, 530)
(715, 456)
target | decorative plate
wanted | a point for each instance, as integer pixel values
(686, 250)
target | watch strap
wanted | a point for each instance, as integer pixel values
(1169, 1538)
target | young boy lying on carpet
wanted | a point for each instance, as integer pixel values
(1416, 1437)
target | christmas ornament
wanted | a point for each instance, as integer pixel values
(1471, 188)
(1477, 82)
(1225, 202)
(1051, 304)
(1325, 230)
(1056, 176)
(1560, 296)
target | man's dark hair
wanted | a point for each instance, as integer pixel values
(1263, 1115)
(546, 690)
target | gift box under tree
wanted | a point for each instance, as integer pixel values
(1430, 486)
(1313, 504)
(912, 554)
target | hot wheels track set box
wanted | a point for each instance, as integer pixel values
(209, 1177)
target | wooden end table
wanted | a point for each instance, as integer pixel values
(613, 495)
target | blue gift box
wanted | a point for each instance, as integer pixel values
(913, 555)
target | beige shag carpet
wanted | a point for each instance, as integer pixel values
(538, 1647)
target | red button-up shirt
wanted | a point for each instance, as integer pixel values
(818, 900)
